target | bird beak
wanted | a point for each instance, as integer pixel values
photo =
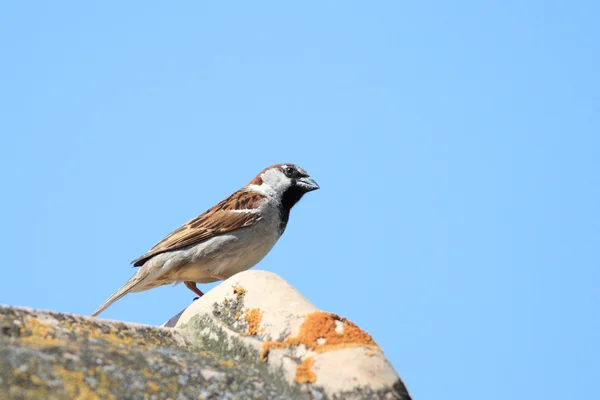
(307, 183)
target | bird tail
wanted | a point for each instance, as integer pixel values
(126, 288)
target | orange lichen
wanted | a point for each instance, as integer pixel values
(253, 316)
(304, 372)
(264, 354)
(318, 333)
(322, 325)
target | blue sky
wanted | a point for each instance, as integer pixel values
(456, 145)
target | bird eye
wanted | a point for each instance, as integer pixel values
(288, 171)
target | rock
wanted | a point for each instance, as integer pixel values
(256, 315)
(252, 337)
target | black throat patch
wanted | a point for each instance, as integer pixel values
(290, 197)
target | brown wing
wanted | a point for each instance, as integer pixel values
(218, 220)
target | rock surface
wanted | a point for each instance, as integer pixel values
(252, 337)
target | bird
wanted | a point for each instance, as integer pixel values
(228, 238)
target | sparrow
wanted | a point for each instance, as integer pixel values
(231, 237)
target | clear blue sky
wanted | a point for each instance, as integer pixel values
(456, 145)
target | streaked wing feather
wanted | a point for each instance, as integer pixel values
(216, 221)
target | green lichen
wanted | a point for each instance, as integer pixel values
(211, 337)
(59, 356)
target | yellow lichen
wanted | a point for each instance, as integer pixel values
(35, 388)
(146, 374)
(118, 334)
(38, 333)
(75, 386)
(207, 354)
(240, 292)
(253, 316)
(237, 316)
(70, 334)
(304, 372)
(153, 386)
(227, 363)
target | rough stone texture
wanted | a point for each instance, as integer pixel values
(47, 355)
(252, 337)
(259, 313)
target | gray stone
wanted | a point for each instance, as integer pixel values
(252, 337)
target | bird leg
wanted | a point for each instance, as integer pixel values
(192, 286)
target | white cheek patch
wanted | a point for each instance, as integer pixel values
(274, 183)
(262, 189)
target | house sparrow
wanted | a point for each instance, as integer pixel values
(231, 237)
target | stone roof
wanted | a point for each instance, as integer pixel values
(252, 337)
